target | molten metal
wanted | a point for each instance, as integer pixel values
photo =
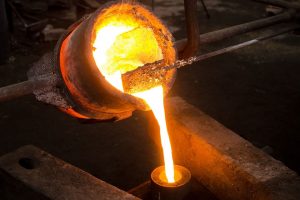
(155, 99)
(123, 43)
(127, 37)
(122, 46)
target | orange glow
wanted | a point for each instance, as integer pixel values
(122, 45)
(177, 176)
(124, 42)
(155, 99)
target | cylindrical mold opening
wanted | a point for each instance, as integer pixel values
(86, 85)
(162, 190)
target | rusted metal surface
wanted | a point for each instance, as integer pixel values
(228, 165)
(192, 28)
(32, 174)
(228, 32)
(93, 96)
(145, 77)
(86, 86)
(52, 93)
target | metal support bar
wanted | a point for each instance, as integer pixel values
(192, 27)
(32, 174)
(26, 87)
(281, 3)
(238, 29)
(182, 63)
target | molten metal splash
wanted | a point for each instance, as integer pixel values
(121, 45)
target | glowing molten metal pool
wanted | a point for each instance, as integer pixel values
(125, 41)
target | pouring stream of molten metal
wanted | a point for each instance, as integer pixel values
(155, 99)
(110, 49)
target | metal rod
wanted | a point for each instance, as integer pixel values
(26, 87)
(154, 71)
(181, 63)
(192, 28)
(281, 3)
(238, 29)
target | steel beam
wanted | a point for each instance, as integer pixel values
(32, 174)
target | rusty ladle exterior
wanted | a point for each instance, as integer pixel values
(90, 94)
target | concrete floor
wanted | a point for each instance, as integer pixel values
(254, 91)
